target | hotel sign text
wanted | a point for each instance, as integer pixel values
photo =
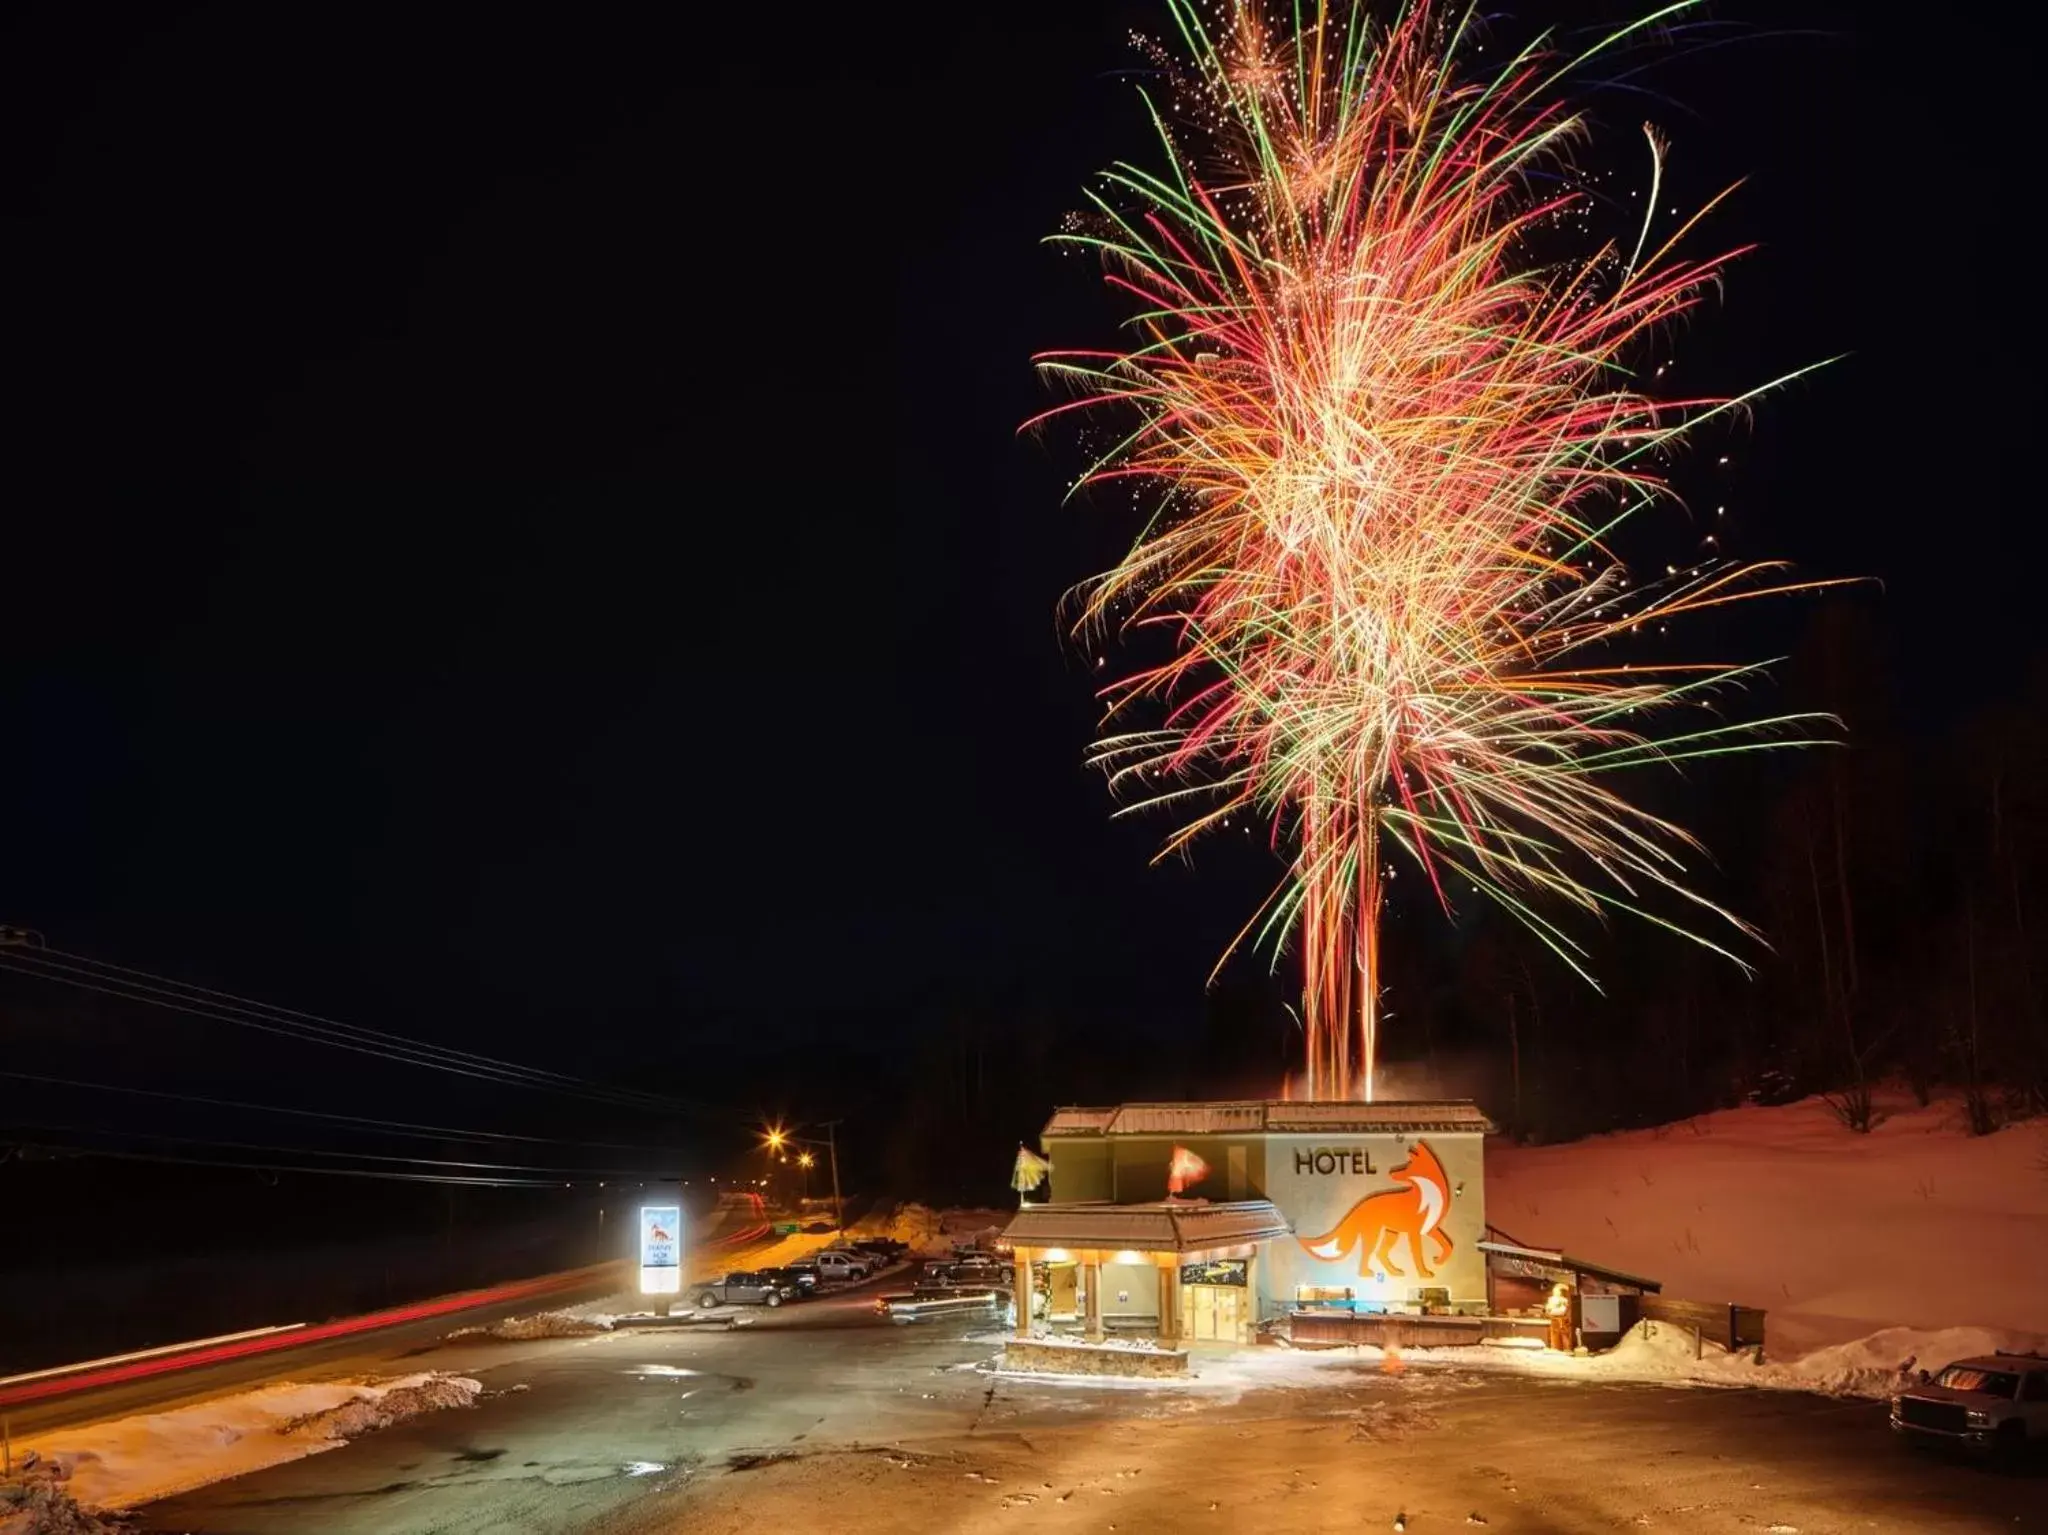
(1337, 1159)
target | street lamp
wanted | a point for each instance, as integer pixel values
(774, 1138)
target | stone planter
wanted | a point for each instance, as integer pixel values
(1046, 1356)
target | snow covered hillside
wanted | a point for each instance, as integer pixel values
(1836, 1235)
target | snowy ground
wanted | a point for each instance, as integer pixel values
(1653, 1354)
(128, 1461)
(1873, 1254)
(1836, 1235)
(927, 1230)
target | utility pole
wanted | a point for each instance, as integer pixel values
(832, 1146)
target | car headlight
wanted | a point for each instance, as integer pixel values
(1976, 1419)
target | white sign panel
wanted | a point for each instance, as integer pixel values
(661, 1249)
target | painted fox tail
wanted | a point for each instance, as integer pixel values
(1334, 1244)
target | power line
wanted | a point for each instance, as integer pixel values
(281, 1167)
(127, 975)
(91, 975)
(356, 1122)
(353, 1156)
(8, 962)
(77, 970)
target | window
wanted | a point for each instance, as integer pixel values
(2036, 1388)
(1975, 1377)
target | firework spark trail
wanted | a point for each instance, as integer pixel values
(1388, 444)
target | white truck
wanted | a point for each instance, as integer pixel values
(1995, 1402)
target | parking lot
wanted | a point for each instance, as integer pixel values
(901, 1428)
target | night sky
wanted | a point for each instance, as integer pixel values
(518, 537)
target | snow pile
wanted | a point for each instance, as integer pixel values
(1652, 1353)
(1836, 1235)
(1657, 1353)
(129, 1461)
(918, 1227)
(925, 1230)
(793, 1248)
(542, 1324)
(367, 1413)
(39, 1505)
(1874, 1366)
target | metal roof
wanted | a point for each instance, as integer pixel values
(1173, 1226)
(1079, 1121)
(1552, 1260)
(1270, 1117)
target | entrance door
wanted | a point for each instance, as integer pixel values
(1062, 1300)
(1229, 1303)
(1213, 1312)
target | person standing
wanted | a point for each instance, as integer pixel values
(1558, 1308)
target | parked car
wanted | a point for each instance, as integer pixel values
(888, 1249)
(745, 1289)
(980, 1273)
(1995, 1402)
(801, 1278)
(839, 1264)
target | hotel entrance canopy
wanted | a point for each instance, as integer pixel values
(1149, 1240)
(1170, 1226)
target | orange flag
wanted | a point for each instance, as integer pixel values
(1185, 1168)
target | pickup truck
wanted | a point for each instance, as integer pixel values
(745, 1290)
(834, 1264)
(1995, 1402)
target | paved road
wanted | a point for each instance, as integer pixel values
(822, 1408)
(571, 1430)
(325, 1359)
(163, 1382)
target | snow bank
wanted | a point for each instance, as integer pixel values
(41, 1506)
(1873, 1366)
(925, 1230)
(129, 1461)
(542, 1324)
(1836, 1235)
(790, 1249)
(1652, 1354)
(367, 1413)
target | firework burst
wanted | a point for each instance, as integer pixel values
(1387, 435)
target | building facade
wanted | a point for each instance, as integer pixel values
(1379, 1205)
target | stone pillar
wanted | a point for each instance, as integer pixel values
(1169, 1301)
(1020, 1288)
(1091, 1310)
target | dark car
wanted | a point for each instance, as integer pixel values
(885, 1248)
(803, 1279)
(1995, 1402)
(977, 1274)
(745, 1290)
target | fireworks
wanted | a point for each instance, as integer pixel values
(1388, 434)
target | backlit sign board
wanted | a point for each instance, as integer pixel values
(661, 1249)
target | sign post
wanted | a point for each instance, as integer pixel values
(661, 1249)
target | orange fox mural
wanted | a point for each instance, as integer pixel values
(1416, 1211)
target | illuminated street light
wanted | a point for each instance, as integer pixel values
(774, 1138)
